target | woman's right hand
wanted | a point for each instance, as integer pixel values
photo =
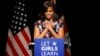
(46, 25)
(49, 25)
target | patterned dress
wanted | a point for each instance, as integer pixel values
(41, 25)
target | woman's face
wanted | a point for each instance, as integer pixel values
(49, 13)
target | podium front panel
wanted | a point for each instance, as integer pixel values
(49, 47)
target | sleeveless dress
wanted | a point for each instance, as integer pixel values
(41, 25)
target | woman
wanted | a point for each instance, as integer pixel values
(48, 26)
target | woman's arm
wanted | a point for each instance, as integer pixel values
(37, 32)
(60, 33)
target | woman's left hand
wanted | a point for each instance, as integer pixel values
(50, 25)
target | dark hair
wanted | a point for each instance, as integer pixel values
(46, 5)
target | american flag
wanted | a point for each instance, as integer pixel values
(18, 35)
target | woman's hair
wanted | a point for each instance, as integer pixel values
(46, 5)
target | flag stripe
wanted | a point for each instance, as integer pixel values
(25, 44)
(9, 51)
(12, 47)
(27, 32)
(25, 36)
(29, 36)
(6, 54)
(21, 45)
(18, 50)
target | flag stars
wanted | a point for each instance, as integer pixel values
(17, 12)
(21, 14)
(23, 4)
(19, 3)
(12, 21)
(13, 16)
(24, 24)
(25, 15)
(16, 17)
(18, 7)
(22, 9)
(14, 11)
(19, 28)
(25, 20)
(20, 18)
(15, 27)
(16, 22)
(14, 31)
(11, 25)
(20, 23)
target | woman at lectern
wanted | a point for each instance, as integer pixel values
(49, 25)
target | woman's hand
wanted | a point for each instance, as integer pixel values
(49, 25)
